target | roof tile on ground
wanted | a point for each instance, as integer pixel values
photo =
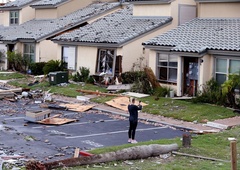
(36, 29)
(116, 28)
(201, 34)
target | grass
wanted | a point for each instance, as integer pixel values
(209, 145)
(8, 76)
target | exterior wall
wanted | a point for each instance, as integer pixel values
(46, 13)
(1, 18)
(5, 18)
(3, 61)
(205, 70)
(205, 10)
(26, 14)
(152, 10)
(46, 50)
(87, 57)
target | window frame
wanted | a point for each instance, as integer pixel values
(29, 50)
(227, 73)
(13, 17)
(74, 68)
(100, 54)
(168, 66)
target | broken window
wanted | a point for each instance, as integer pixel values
(167, 68)
(14, 17)
(105, 62)
(69, 57)
(29, 52)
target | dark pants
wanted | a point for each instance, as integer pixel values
(132, 129)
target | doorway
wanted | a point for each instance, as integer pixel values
(191, 70)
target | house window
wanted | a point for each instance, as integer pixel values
(29, 52)
(225, 67)
(69, 57)
(167, 68)
(105, 61)
(14, 17)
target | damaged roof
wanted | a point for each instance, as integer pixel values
(48, 3)
(148, 1)
(114, 29)
(35, 30)
(200, 35)
(17, 4)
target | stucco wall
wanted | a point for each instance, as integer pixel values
(205, 70)
(5, 16)
(152, 10)
(218, 10)
(46, 50)
(87, 57)
(46, 13)
(26, 14)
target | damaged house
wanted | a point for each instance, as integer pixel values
(31, 38)
(112, 44)
(186, 57)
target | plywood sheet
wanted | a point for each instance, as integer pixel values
(122, 103)
(77, 107)
(138, 95)
(56, 121)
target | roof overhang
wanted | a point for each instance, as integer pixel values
(151, 2)
(224, 52)
(227, 1)
(10, 8)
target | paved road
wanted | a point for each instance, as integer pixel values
(92, 130)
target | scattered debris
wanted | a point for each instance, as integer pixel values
(133, 94)
(121, 103)
(97, 93)
(115, 88)
(77, 107)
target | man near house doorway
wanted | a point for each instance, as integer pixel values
(133, 119)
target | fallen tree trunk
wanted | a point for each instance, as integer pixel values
(132, 153)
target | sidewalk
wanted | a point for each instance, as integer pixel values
(190, 126)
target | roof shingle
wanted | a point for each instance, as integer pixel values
(116, 28)
(201, 34)
(48, 3)
(17, 3)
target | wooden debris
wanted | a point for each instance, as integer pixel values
(77, 107)
(6, 94)
(97, 93)
(138, 95)
(122, 103)
(132, 153)
(17, 90)
(126, 87)
(56, 121)
(151, 77)
(37, 115)
(76, 153)
(197, 156)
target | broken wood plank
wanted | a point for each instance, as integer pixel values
(6, 95)
(76, 153)
(97, 93)
(77, 107)
(217, 125)
(122, 103)
(17, 90)
(37, 115)
(200, 157)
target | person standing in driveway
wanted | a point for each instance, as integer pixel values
(133, 119)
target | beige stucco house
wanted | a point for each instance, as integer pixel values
(113, 43)
(207, 47)
(32, 38)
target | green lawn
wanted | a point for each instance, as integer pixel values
(209, 145)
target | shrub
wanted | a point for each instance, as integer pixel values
(17, 61)
(139, 80)
(162, 91)
(211, 93)
(82, 76)
(37, 68)
(54, 65)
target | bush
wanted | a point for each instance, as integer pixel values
(139, 80)
(54, 65)
(17, 61)
(82, 76)
(211, 93)
(162, 91)
(37, 68)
